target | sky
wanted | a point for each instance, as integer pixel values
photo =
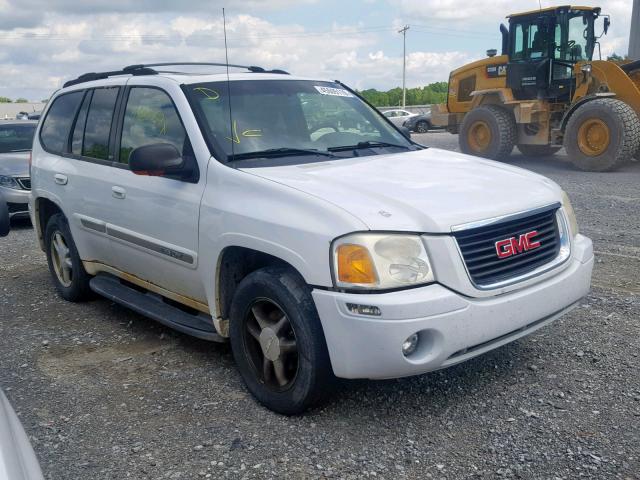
(46, 42)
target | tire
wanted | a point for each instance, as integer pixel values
(74, 285)
(306, 377)
(422, 126)
(538, 150)
(602, 134)
(488, 131)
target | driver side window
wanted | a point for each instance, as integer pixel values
(151, 118)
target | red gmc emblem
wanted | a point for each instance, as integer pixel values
(513, 246)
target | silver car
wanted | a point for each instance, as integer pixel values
(16, 139)
(17, 459)
(415, 122)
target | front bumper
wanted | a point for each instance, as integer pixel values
(451, 327)
(17, 201)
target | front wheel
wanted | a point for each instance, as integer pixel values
(277, 341)
(602, 134)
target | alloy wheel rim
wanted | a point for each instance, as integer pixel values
(594, 137)
(271, 345)
(479, 136)
(61, 259)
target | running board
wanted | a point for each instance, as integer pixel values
(151, 305)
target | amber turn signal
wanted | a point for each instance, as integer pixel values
(355, 265)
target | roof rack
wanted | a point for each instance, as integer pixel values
(147, 69)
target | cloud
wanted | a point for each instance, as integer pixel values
(47, 42)
(142, 6)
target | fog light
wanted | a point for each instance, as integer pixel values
(364, 309)
(410, 344)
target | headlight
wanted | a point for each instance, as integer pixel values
(380, 261)
(571, 215)
(8, 182)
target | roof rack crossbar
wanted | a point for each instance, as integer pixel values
(147, 69)
(251, 68)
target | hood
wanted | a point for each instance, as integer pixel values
(15, 164)
(428, 190)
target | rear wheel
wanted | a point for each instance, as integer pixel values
(602, 134)
(277, 341)
(538, 150)
(68, 273)
(488, 131)
(422, 126)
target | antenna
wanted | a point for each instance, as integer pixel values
(540, 3)
(226, 55)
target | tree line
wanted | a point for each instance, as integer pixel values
(17, 100)
(427, 95)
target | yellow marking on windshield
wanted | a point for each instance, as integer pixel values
(236, 138)
(252, 133)
(209, 93)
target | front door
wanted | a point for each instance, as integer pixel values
(154, 219)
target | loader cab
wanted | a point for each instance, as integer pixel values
(544, 46)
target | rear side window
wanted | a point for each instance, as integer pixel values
(78, 130)
(54, 135)
(98, 124)
(151, 117)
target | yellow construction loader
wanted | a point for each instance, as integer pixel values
(545, 91)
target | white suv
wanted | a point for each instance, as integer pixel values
(290, 217)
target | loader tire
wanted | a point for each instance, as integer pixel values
(538, 150)
(488, 131)
(602, 134)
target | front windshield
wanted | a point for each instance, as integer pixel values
(575, 41)
(16, 137)
(300, 115)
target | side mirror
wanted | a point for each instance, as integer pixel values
(607, 24)
(5, 224)
(156, 159)
(406, 132)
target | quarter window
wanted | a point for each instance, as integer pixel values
(99, 120)
(151, 117)
(57, 124)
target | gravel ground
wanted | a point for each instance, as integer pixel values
(107, 394)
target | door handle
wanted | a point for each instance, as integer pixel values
(118, 192)
(60, 179)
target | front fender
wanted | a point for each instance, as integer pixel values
(240, 209)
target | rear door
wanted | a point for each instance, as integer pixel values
(75, 136)
(153, 220)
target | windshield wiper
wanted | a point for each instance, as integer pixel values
(281, 152)
(367, 144)
(20, 150)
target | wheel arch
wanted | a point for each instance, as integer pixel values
(497, 96)
(44, 209)
(579, 103)
(234, 264)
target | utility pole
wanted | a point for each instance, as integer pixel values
(403, 31)
(634, 37)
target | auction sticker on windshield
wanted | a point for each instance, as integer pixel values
(336, 92)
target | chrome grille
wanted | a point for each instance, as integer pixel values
(479, 249)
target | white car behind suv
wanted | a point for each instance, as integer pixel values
(287, 215)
